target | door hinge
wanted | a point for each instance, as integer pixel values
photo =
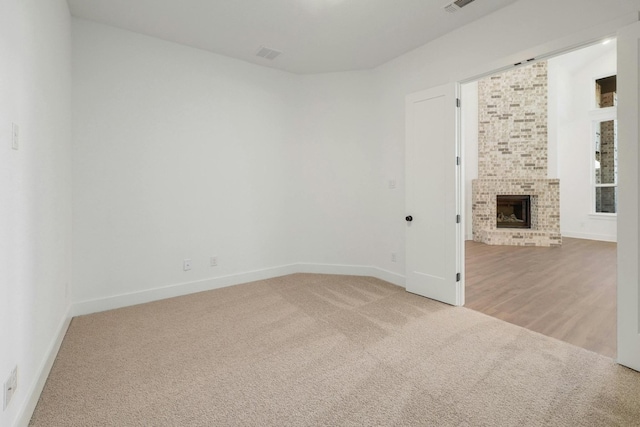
(458, 160)
(458, 103)
(458, 219)
(458, 277)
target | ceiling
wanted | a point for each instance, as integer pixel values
(315, 36)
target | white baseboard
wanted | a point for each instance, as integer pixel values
(179, 289)
(590, 236)
(353, 270)
(389, 276)
(35, 389)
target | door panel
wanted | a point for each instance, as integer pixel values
(628, 85)
(432, 251)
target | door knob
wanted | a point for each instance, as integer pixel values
(409, 218)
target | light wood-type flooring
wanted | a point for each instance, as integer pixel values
(567, 292)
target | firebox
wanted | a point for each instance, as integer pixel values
(513, 211)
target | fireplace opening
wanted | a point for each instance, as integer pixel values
(513, 211)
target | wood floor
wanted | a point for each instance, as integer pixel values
(568, 292)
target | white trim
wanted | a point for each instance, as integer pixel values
(389, 276)
(460, 203)
(179, 289)
(25, 412)
(572, 42)
(603, 216)
(603, 114)
(590, 236)
(597, 118)
(628, 219)
(175, 290)
(602, 75)
(353, 270)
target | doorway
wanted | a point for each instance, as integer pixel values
(563, 287)
(628, 272)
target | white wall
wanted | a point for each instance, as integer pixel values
(178, 153)
(335, 171)
(572, 95)
(35, 192)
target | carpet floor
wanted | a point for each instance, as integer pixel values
(320, 350)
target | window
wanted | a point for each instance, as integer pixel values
(606, 92)
(605, 148)
(606, 166)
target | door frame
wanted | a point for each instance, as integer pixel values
(549, 50)
(628, 286)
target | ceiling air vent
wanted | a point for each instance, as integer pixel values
(268, 53)
(456, 5)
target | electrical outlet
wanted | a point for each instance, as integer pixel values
(394, 257)
(15, 136)
(10, 386)
(213, 261)
(186, 265)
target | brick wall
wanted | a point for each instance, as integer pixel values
(512, 124)
(512, 157)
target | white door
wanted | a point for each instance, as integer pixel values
(628, 188)
(433, 231)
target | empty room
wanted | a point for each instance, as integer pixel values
(253, 213)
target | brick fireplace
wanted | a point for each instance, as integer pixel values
(512, 160)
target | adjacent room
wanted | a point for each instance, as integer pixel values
(251, 213)
(541, 151)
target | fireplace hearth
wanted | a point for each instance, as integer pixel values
(513, 211)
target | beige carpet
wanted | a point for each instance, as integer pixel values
(318, 350)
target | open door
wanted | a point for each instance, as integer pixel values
(628, 81)
(433, 250)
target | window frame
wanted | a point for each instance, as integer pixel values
(598, 116)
